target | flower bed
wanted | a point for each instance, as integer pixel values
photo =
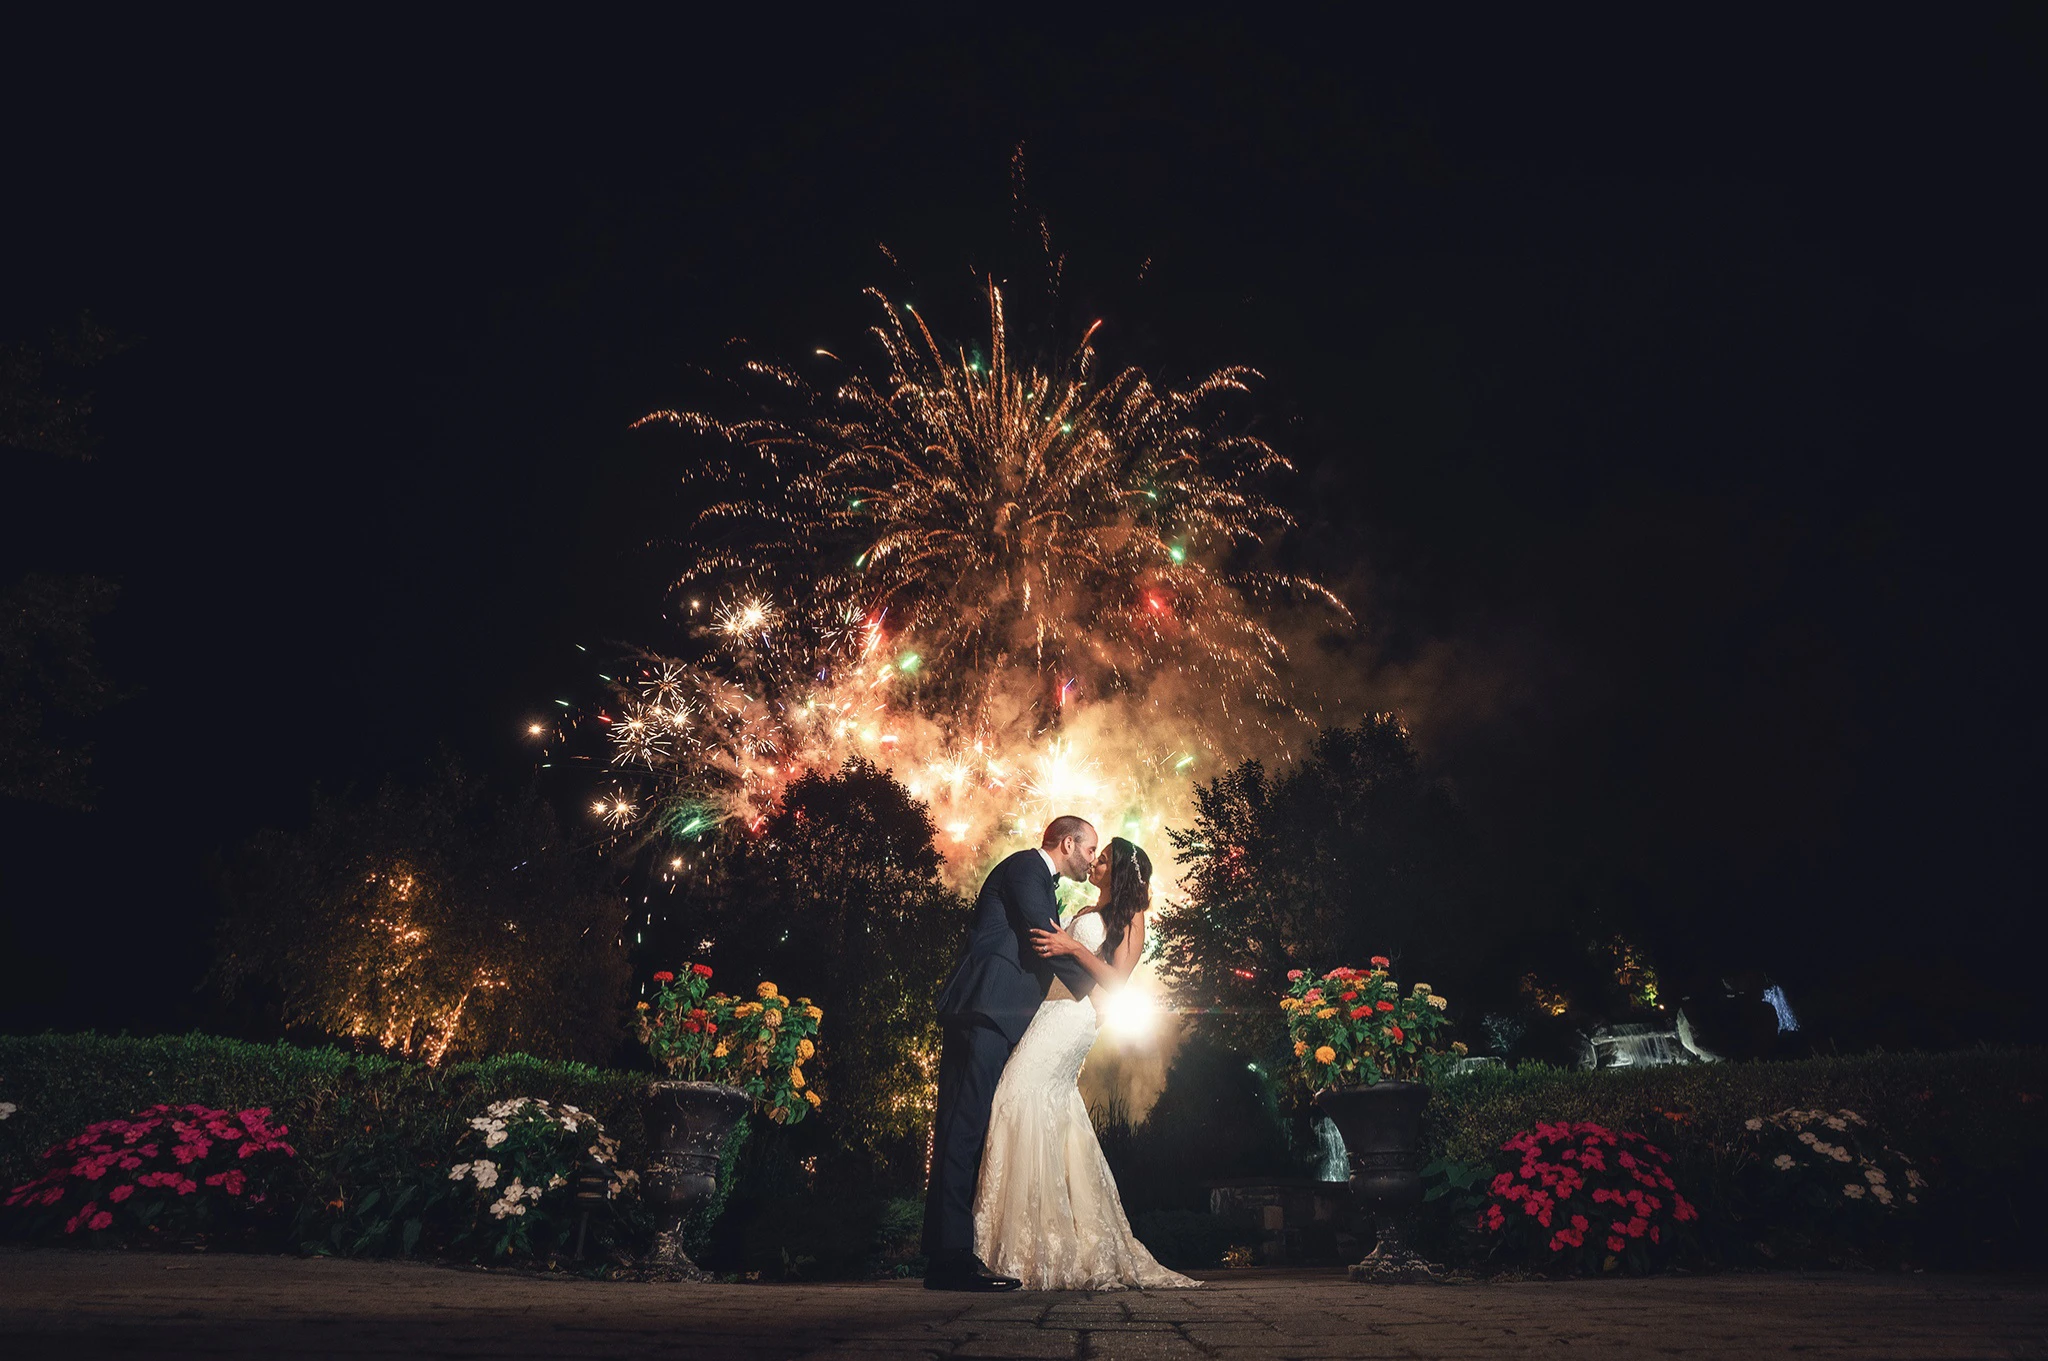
(375, 1136)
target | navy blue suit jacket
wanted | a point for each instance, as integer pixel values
(1000, 977)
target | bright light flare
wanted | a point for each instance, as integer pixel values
(1129, 1014)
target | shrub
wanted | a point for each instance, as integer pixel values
(159, 1175)
(523, 1158)
(1351, 1028)
(1823, 1186)
(368, 1129)
(759, 1045)
(1971, 1121)
(1581, 1198)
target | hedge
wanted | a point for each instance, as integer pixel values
(1977, 1119)
(340, 1107)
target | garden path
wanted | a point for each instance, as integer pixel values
(83, 1305)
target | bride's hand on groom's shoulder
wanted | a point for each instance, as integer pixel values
(1054, 942)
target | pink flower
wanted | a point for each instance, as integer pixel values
(1294, 975)
(1616, 1244)
(120, 1193)
(102, 1220)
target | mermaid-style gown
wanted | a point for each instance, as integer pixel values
(1046, 1209)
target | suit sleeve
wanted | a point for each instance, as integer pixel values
(1032, 906)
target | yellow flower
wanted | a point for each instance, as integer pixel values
(719, 1052)
(1300, 1048)
(1326, 1055)
(640, 1006)
(772, 1019)
(814, 1013)
(803, 1001)
(1326, 1013)
(744, 1010)
(1458, 1048)
(765, 990)
(804, 1049)
(1288, 1004)
(796, 1078)
(1438, 1002)
(1422, 989)
(812, 1097)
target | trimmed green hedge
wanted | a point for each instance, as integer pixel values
(351, 1116)
(1976, 1119)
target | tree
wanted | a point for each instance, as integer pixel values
(429, 921)
(1354, 852)
(50, 677)
(839, 899)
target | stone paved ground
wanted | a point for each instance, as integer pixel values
(79, 1305)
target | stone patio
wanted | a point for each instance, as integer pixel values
(80, 1305)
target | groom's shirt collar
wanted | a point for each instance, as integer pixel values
(1050, 868)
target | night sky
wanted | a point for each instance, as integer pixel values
(1666, 398)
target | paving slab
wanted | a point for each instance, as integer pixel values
(82, 1306)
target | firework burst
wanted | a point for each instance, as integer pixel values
(1025, 588)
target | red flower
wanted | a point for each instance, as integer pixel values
(664, 977)
(711, 1027)
(1616, 1244)
(1351, 996)
(1397, 1033)
(1293, 975)
(701, 970)
(1384, 1005)
(1382, 962)
(1359, 1013)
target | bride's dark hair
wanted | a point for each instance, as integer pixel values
(1130, 892)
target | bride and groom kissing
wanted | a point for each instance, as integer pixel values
(1019, 1193)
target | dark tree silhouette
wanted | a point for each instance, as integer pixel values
(1352, 853)
(839, 899)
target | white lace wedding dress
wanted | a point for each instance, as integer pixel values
(1046, 1210)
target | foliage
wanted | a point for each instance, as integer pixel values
(1215, 1119)
(759, 1045)
(375, 1135)
(1352, 1028)
(1580, 1198)
(840, 894)
(162, 1174)
(1823, 1185)
(50, 680)
(1972, 1121)
(1352, 851)
(431, 921)
(523, 1159)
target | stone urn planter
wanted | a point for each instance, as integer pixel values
(1382, 1129)
(689, 1123)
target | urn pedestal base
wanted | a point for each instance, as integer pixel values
(689, 1122)
(1382, 1129)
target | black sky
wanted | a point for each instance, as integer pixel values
(1666, 394)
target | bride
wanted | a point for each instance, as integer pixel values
(1046, 1209)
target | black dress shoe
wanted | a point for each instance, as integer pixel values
(968, 1273)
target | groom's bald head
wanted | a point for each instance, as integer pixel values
(1059, 829)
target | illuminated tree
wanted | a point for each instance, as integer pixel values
(431, 921)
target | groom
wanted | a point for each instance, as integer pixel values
(986, 1006)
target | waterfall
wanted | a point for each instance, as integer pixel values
(1631, 1045)
(1336, 1165)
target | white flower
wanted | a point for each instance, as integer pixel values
(533, 1193)
(1806, 1137)
(1853, 1191)
(557, 1180)
(7, 1108)
(1438, 1002)
(1883, 1194)
(1912, 1199)
(1753, 1123)
(1914, 1179)
(1874, 1175)
(1840, 1155)
(1852, 1115)
(1783, 1162)
(486, 1173)
(1836, 1122)
(495, 1137)
(458, 1172)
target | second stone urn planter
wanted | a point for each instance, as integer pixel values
(1382, 1129)
(689, 1123)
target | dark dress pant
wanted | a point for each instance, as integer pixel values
(970, 1065)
